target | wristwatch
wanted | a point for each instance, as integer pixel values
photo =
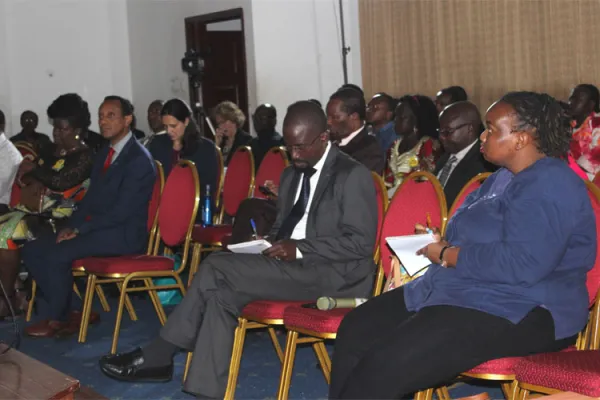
(444, 263)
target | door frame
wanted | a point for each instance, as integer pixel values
(194, 38)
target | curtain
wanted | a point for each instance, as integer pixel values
(487, 46)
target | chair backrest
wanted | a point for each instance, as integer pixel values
(26, 150)
(382, 203)
(153, 205)
(469, 188)
(593, 276)
(419, 194)
(220, 178)
(239, 180)
(270, 169)
(179, 206)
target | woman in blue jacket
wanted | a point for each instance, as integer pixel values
(509, 278)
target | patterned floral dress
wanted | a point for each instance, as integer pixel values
(584, 145)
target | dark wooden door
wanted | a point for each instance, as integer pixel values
(224, 55)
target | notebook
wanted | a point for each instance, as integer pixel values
(406, 247)
(251, 247)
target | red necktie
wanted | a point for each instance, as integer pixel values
(108, 160)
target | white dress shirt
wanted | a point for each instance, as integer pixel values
(9, 166)
(351, 136)
(118, 147)
(459, 156)
(299, 232)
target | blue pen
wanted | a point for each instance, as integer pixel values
(254, 228)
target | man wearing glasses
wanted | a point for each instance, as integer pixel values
(323, 241)
(460, 127)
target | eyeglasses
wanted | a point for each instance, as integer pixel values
(448, 132)
(302, 146)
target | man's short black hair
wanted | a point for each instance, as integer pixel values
(353, 87)
(126, 106)
(456, 93)
(389, 100)
(2, 118)
(353, 102)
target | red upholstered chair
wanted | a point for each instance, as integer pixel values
(419, 194)
(176, 216)
(469, 188)
(549, 373)
(238, 185)
(503, 369)
(27, 151)
(269, 314)
(270, 169)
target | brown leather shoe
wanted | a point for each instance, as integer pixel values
(76, 315)
(45, 329)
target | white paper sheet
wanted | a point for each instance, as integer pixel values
(406, 247)
(252, 247)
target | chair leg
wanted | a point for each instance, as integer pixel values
(195, 261)
(276, 344)
(76, 290)
(160, 311)
(513, 390)
(188, 360)
(324, 360)
(236, 358)
(102, 298)
(87, 308)
(288, 365)
(443, 393)
(180, 284)
(128, 305)
(122, 299)
(31, 301)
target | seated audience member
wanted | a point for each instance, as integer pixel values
(584, 108)
(154, 122)
(183, 141)
(322, 245)
(352, 86)
(28, 134)
(110, 221)
(449, 95)
(137, 133)
(462, 160)
(230, 135)
(48, 187)
(380, 115)
(346, 112)
(416, 123)
(264, 119)
(507, 281)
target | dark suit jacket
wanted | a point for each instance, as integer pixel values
(365, 149)
(242, 138)
(472, 164)
(342, 222)
(116, 202)
(203, 154)
(261, 145)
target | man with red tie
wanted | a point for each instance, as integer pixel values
(110, 220)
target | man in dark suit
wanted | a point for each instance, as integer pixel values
(323, 241)
(460, 127)
(346, 112)
(265, 120)
(110, 221)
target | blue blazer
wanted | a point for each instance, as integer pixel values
(204, 155)
(526, 240)
(116, 202)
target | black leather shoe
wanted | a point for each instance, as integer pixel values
(130, 367)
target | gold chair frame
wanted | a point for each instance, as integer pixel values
(588, 339)
(477, 178)
(123, 279)
(79, 271)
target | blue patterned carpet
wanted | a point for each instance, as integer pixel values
(259, 373)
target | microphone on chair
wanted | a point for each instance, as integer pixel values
(329, 303)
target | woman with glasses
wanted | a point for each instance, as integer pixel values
(416, 124)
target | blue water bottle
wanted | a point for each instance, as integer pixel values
(207, 207)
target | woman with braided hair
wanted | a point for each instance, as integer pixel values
(508, 280)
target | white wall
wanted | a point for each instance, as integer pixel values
(298, 50)
(59, 46)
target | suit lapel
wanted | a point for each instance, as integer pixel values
(324, 178)
(291, 191)
(464, 164)
(121, 158)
